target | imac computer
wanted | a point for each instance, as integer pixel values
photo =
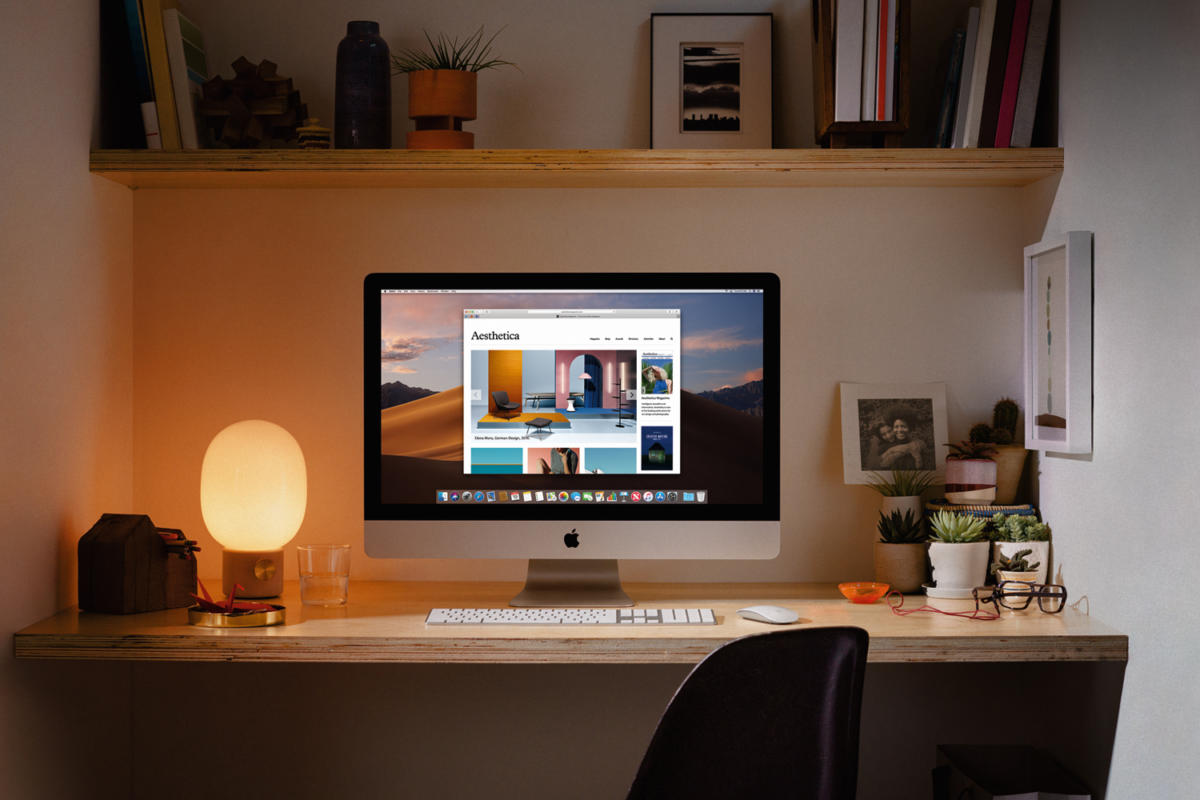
(572, 420)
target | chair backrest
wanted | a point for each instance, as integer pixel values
(501, 398)
(764, 716)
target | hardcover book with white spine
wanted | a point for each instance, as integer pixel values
(189, 71)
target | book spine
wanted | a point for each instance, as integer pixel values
(1031, 73)
(889, 45)
(950, 89)
(1001, 34)
(160, 71)
(964, 83)
(983, 50)
(150, 124)
(1012, 73)
(881, 63)
(847, 77)
(870, 59)
(185, 53)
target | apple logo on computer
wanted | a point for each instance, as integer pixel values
(571, 539)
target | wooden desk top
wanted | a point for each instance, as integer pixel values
(385, 622)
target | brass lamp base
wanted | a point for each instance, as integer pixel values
(259, 573)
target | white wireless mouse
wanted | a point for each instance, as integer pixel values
(776, 615)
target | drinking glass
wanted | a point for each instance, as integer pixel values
(324, 574)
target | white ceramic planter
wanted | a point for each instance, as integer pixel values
(901, 504)
(971, 481)
(958, 566)
(1041, 554)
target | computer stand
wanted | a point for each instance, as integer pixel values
(574, 583)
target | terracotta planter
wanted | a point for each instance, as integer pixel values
(902, 566)
(971, 481)
(1041, 554)
(960, 565)
(439, 101)
(1010, 464)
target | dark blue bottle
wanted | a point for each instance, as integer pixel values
(362, 106)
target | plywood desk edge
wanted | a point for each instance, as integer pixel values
(384, 623)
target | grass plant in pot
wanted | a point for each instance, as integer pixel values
(1013, 532)
(1009, 455)
(971, 473)
(901, 489)
(442, 88)
(958, 553)
(900, 551)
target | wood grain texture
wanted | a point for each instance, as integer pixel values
(385, 622)
(148, 169)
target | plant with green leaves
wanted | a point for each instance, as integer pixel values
(472, 54)
(967, 450)
(954, 528)
(1003, 429)
(902, 482)
(1019, 528)
(898, 528)
(1017, 562)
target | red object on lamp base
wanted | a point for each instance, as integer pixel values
(260, 573)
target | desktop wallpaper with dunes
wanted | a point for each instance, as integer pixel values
(421, 394)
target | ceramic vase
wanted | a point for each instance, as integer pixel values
(439, 100)
(971, 481)
(960, 565)
(1010, 465)
(363, 89)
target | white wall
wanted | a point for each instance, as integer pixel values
(1122, 517)
(65, 396)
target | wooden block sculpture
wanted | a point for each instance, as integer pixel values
(256, 108)
(127, 565)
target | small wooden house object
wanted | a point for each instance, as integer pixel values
(127, 565)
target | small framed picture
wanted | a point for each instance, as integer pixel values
(888, 426)
(1058, 344)
(710, 81)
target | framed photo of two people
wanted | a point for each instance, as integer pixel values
(892, 426)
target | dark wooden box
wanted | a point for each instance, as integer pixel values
(125, 568)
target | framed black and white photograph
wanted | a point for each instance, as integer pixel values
(1058, 344)
(711, 81)
(889, 426)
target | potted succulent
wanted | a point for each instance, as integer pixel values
(442, 88)
(971, 473)
(958, 551)
(1009, 455)
(1014, 532)
(902, 489)
(1016, 567)
(900, 551)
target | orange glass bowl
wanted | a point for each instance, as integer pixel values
(863, 591)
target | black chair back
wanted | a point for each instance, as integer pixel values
(766, 716)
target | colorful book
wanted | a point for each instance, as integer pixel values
(160, 71)
(189, 71)
(870, 65)
(1001, 35)
(983, 51)
(1012, 73)
(945, 120)
(847, 74)
(1031, 73)
(886, 88)
(958, 138)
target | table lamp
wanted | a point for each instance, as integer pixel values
(253, 491)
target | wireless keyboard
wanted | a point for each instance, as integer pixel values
(571, 616)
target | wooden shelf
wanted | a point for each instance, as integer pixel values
(233, 169)
(385, 622)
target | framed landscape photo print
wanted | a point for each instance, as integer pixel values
(1058, 344)
(710, 85)
(889, 426)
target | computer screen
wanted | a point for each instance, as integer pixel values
(571, 416)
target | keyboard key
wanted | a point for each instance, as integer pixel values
(571, 616)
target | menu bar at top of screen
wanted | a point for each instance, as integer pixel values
(587, 290)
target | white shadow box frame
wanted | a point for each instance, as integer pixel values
(1058, 344)
(865, 405)
(680, 41)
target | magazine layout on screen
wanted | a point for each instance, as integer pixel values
(596, 397)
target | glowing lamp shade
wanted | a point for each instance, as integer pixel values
(253, 492)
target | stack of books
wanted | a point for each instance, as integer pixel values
(865, 46)
(994, 73)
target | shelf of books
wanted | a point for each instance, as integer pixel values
(215, 168)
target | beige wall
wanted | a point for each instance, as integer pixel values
(65, 395)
